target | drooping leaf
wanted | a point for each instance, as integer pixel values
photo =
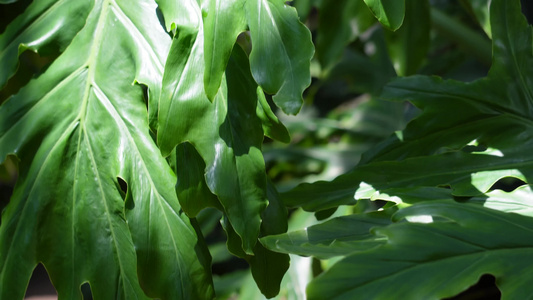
(436, 260)
(337, 237)
(225, 20)
(469, 151)
(408, 46)
(45, 27)
(267, 267)
(272, 126)
(95, 200)
(390, 13)
(281, 52)
(193, 192)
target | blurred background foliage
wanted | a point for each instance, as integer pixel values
(342, 116)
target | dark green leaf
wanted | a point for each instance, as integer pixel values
(390, 13)
(340, 23)
(436, 260)
(408, 46)
(337, 237)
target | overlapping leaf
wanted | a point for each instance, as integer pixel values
(339, 236)
(46, 26)
(436, 260)
(228, 132)
(468, 136)
(80, 130)
(390, 13)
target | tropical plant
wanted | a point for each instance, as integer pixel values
(148, 128)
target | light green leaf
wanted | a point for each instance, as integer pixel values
(45, 27)
(225, 20)
(281, 52)
(441, 258)
(408, 46)
(337, 237)
(79, 130)
(390, 13)
(226, 133)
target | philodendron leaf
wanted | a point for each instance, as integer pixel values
(281, 52)
(95, 200)
(224, 21)
(436, 260)
(468, 136)
(390, 13)
(337, 237)
(45, 26)
(226, 133)
(340, 23)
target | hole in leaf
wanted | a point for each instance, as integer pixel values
(40, 286)
(507, 184)
(484, 289)
(86, 291)
(123, 187)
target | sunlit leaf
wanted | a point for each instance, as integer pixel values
(95, 200)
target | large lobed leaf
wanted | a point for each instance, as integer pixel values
(77, 129)
(225, 116)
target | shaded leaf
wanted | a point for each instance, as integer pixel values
(468, 151)
(441, 259)
(340, 23)
(390, 13)
(45, 27)
(281, 52)
(408, 46)
(337, 237)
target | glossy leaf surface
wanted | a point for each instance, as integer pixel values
(95, 200)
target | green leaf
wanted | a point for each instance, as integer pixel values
(480, 8)
(193, 192)
(225, 20)
(281, 52)
(78, 130)
(337, 237)
(45, 27)
(490, 139)
(408, 46)
(272, 126)
(390, 13)
(226, 133)
(441, 258)
(340, 23)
